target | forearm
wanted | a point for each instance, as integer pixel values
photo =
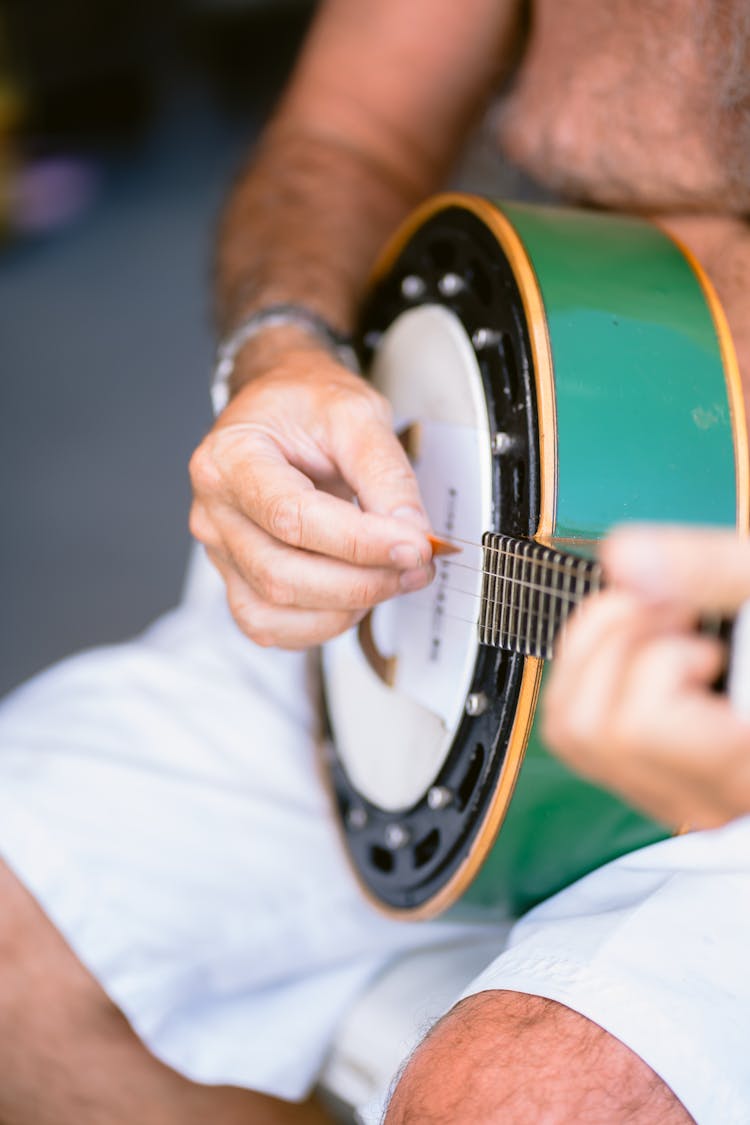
(376, 112)
(304, 224)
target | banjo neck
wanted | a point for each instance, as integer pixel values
(528, 593)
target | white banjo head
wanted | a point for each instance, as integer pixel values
(393, 740)
(421, 711)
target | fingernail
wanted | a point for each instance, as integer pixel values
(413, 580)
(405, 556)
(413, 515)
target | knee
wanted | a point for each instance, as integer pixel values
(453, 1075)
(506, 1056)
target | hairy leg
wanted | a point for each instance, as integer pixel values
(69, 1057)
(508, 1057)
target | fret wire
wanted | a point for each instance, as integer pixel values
(527, 543)
(518, 634)
(568, 576)
(504, 550)
(490, 608)
(545, 605)
(530, 598)
(569, 605)
(517, 637)
(520, 593)
(519, 582)
(502, 592)
(515, 587)
(497, 596)
(515, 539)
(487, 592)
(515, 579)
(544, 594)
(503, 597)
(563, 593)
(540, 593)
(552, 620)
(551, 632)
(506, 646)
(523, 610)
(550, 566)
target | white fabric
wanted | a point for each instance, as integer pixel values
(654, 948)
(162, 802)
(395, 1012)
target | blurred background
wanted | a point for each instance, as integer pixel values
(121, 125)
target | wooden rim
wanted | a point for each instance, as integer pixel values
(536, 319)
(732, 378)
(464, 876)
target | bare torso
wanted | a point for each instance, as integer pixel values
(644, 105)
(636, 103)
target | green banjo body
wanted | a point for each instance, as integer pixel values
(552, 373)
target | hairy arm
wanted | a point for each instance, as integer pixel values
(374, 115)
(376, 112)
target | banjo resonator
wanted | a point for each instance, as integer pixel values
(554, 372)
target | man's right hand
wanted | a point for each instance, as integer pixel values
(275, 483)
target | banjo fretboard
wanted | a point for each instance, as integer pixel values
(528, 591)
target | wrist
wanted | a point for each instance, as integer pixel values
(264, 337)
(264, 352)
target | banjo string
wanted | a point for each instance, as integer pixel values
(556, 596)
(548, 565)
(508, 634)
(572, 595)
(575, 578)
(554, 615)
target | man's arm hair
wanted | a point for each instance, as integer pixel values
(373, 117)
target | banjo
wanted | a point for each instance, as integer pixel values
(552, 372)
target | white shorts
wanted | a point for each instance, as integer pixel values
(161, 801)
(655, 948)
